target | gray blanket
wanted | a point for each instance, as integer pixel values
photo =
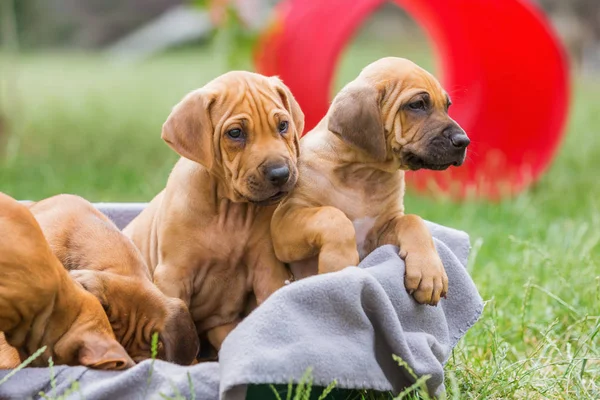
(345, 325)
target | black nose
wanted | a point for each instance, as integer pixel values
(278, 175)
(460, 140)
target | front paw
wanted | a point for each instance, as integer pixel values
(425, 277)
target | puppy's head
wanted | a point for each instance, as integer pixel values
(245, 128)
(90, 340)
(397, 110)
(136, 310)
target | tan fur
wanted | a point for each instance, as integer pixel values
(349, 196)
(109, 266)
(206, 237)
(9, 356)
(40, 305)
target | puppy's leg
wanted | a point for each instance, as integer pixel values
(174, 282)
(425, 276)
(299, 233)
(269, 273)
(218, 334)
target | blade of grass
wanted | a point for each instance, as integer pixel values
(23, 365)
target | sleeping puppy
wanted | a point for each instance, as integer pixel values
(206, 236)
(40, 305)
(349, 197)
(108, 265)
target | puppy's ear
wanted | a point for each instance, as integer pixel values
(188, 129)
(93, 282)
(356, 117)
(292, 106)
(179, 336)
(103, 353)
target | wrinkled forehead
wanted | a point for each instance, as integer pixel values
(421, 81)
(421, 78)
(406, 76)
(247, 93)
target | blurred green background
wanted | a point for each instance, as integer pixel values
(81, 112)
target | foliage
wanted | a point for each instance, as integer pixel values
(231, 35)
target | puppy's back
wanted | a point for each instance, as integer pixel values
(30, 274)
(26, 261)
(80, 235)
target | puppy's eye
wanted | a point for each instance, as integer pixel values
(234, 133)
(417, 105)
(283, 126)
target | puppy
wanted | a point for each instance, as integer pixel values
(206, 236)
(40, 305)
(349, 197)
(108, 265)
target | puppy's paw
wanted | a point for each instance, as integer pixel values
(425, 277)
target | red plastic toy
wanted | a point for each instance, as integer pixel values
(499, 59)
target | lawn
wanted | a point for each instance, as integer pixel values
(86, 125)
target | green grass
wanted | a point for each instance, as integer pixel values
(85, 125)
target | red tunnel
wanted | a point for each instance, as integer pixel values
(500, 61)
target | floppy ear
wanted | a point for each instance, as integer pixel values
(179, 336)
(292, 106)
(93, 282)
(102, 353)
(356, 117)
(188, 129)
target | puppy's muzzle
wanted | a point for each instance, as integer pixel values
(278, 175)
(271, 182)
(460, 140)
(449, 147)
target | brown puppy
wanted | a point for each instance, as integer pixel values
(40, 305)
(349, 197)
(109, 266)
(207, 235)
